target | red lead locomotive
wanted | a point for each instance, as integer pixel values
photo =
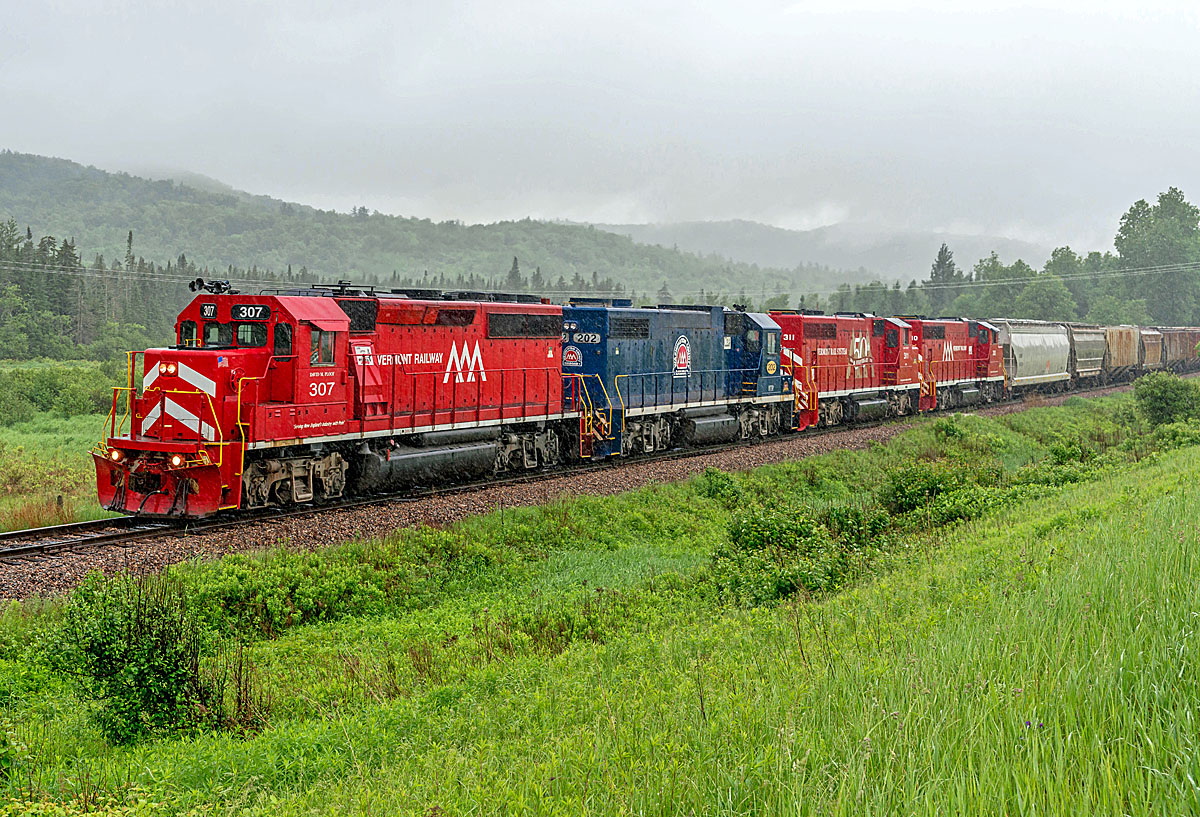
(280, 398)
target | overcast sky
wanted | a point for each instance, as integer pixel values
(1040, 120)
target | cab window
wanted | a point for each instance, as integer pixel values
(187, 333)
(321, 348)
(753, 344)
(218, 334)
(772, 343)
(251, 334)
(892, 338)
(283, 340)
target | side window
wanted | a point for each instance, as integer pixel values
(283, 340)
(218, 334)
(321, 348)
(187, 333)
(772, 343)
(753, 342)
(252, 334)
(893, 338)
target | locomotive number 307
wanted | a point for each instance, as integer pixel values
(250, 312)
(322, 388)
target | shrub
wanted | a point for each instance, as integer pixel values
(857, 527)
(947, 428)
(1070, 451)
(773, 553)
(72, 400)
(136, 650)
(14, 408)
(1177, 435)
(912, 486)
(967, 502)
(1163, 397)
(716, 484)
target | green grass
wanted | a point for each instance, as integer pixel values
(44, 458)
(577, 659)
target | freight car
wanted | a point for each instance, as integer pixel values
(1180, 348)
(1036, 354)
(1086, 361)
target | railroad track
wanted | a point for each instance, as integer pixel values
(42, 541)
(37, 544)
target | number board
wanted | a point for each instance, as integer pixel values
(587, 337)
(250, 312)
(208, 310)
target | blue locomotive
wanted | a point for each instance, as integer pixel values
(660, 376)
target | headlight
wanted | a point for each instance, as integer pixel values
(116, 455)
(170, 368)
(162, 368)
(176, 460)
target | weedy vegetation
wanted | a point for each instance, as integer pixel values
(51, 415)
(981, 616)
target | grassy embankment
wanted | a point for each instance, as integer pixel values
(50, 418)
(983, 616)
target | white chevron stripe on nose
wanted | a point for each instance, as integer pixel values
(151, 418)
(178, 412)
(204, 384)
(188, 375)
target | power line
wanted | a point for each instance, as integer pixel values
(163, 276)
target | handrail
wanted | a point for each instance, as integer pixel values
(439, 388)
(593, 411)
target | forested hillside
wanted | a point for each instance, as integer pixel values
(890, 254)
(75, 280)
(1153, 278)
(216, 229)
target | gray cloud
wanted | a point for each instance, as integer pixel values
(1035, 120)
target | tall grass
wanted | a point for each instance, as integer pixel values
(1039, 659)
(44, 458)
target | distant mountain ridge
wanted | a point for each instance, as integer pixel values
(217, 226)
(890, 255)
